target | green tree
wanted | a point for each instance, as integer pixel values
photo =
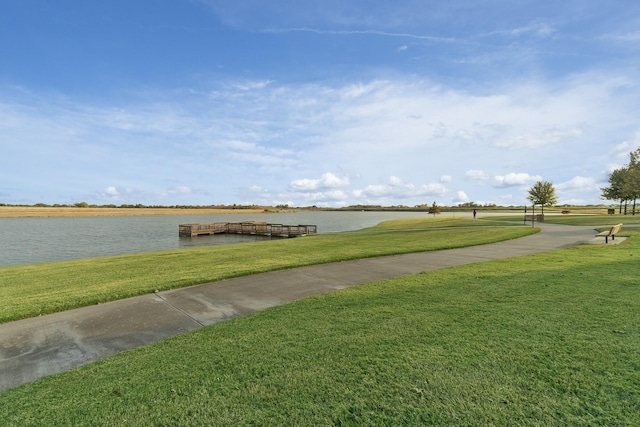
(633, 178)
(542, 193)
(434, 209)
(618, 187)
(624, 183)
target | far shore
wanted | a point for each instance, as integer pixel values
(74, 211)
(42, 212)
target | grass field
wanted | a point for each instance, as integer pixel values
(593, 219)
(551, 339)
(586, 220)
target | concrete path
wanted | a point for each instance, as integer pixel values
(33, 348)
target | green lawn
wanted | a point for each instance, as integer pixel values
(595, 220)
(32, 290)
(549, 339)
(545, 340)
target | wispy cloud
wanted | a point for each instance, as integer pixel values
(537, 29)
(631, 36)
(380, 33)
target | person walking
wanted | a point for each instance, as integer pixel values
(474, 214)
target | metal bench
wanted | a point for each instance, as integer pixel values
(611, 232)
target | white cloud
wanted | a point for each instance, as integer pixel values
(114, 194)
(328, 180)
(461, 197)
(577, 183)
(621, 151)
(446, 179)
(572, 191)
(514, 179)
(305, 184)
(111, 191)
(324, 196)
(476, 175)
(396, 190)
(395, 181)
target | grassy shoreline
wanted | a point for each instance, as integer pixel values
(547, 339)
(37, 289)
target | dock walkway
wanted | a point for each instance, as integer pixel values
(37, 347)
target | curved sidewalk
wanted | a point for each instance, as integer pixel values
(37, 347)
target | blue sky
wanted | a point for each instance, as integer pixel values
(326, 103)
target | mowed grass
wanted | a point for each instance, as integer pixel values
(36, 289)
(595, 220)
(551, 339)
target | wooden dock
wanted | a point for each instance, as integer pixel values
(249, 227)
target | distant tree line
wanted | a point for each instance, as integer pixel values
(477, 205)
(624, 183)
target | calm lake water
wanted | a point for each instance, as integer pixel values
(36, 240)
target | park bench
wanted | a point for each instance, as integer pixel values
(611, 232)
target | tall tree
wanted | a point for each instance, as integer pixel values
(617, 189)
(542, 193)
(624, 183)
(633, 179)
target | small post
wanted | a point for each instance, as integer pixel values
(533, 214)
(525, 214)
